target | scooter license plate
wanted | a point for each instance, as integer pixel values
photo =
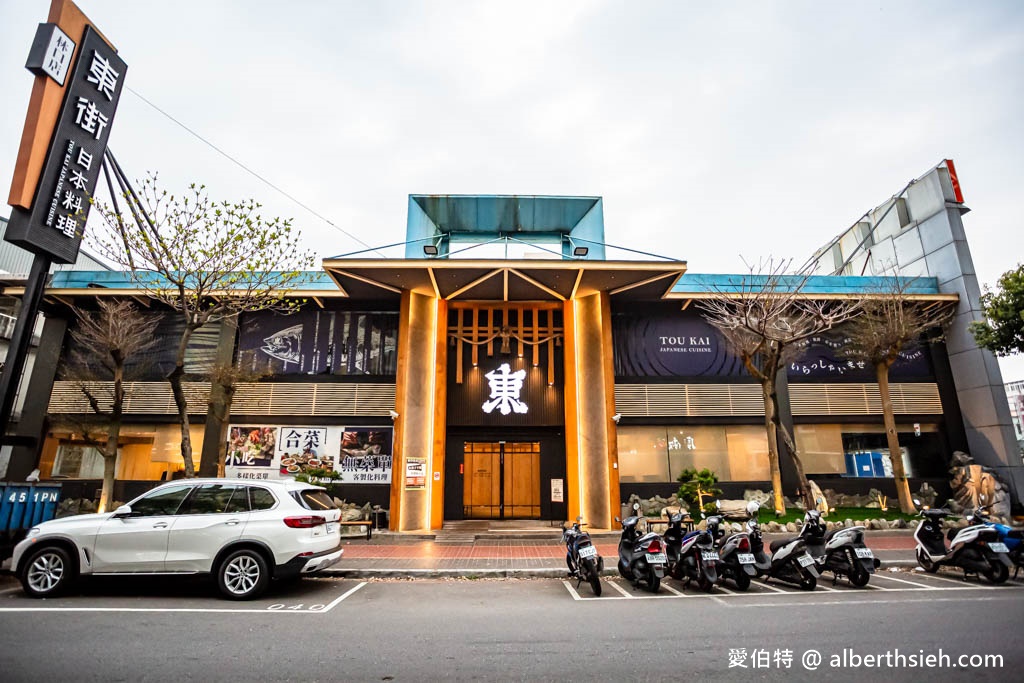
(708, 556)
(864, 553)
(745, 558)
(656, 558)
(998, 547)
(588, 551)
(805, 560)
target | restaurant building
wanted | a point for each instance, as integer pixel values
(445, 386)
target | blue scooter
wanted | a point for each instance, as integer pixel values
(1012, 538)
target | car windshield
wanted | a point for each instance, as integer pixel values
(314, 499)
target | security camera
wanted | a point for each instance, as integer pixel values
(616, 417)
(393, 414)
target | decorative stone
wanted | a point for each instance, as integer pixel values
(791, 527)
(848, 523)
(830, 526)
(899, 524)
(883, 523)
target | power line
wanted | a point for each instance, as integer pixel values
(254, 173)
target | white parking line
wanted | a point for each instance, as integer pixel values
(619, 588)
(670, 589)
(960, 582)
(572, 591)
(261, 610)
(773, 588)
(912, 583)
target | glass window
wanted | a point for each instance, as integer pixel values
(733, 452)
(77, 461)
(643, 454)
(210, 499)
(162, 502)
(261, 499)
(314, 499)
(862, 450)
(821, 448)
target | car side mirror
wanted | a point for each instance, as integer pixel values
(123, 511)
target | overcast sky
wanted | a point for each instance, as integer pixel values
(714, 131)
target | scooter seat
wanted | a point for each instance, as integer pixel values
(782, 542)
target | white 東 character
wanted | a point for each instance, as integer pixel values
(90, 118)
(102, 75)
(505, 388)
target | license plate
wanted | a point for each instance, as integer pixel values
(805, 560)
(745, 558)
(656, 558)
(709, 556)
(588, 551)
(998, 547)
(331, 527)
(864, 553)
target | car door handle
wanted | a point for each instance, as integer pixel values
(160, 525)
(232, 522)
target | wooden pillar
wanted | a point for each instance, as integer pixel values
(592, 480)
(420, 399)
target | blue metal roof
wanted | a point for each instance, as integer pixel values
(444, 218)
(312, 280)
(698, 283)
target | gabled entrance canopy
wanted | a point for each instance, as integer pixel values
(503, 280)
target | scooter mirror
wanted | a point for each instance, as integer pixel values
(617, 519)
(917, 502)
(636, 507)
(579, 518)
(752, 508)
(718, 505)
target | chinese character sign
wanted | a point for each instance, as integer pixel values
(56, 222)
(51, 53)
(365, 455)
(505, 389)
(303, 449)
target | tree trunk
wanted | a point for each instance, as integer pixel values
(767, 387)
(899, 473)
(181, 403)
(113, 435)
(801, 476)
(109, 470)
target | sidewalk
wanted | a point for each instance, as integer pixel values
(527, 552)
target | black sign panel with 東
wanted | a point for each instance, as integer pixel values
(55, 224)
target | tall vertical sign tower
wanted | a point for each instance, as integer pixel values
(79, 77)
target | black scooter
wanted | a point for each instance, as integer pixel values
(585, 564)
(738, 561)
(692, 555)
(641, 556)
(976, 549)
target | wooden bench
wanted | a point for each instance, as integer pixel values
(361, 522)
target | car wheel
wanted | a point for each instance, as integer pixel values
(47, 572)
(243, 575)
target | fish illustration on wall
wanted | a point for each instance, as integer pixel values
(284, 345)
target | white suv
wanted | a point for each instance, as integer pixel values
(243, 533)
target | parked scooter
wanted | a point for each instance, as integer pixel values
(641, 556)
(789, 562)
(738, 562)
(692, 555)
(976, 548)
(585, 564)
(1013, 539)
(840, 551)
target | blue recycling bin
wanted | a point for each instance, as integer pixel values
(22, 506)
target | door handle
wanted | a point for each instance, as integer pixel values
(232, 522)
(160, 525)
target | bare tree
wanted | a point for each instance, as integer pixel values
(103, 341)
(204, 259)
(763, 316)
(893, 322)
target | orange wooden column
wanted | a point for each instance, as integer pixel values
(592, 482)
(420, 401)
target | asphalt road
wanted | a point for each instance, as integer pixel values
(533, 630)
